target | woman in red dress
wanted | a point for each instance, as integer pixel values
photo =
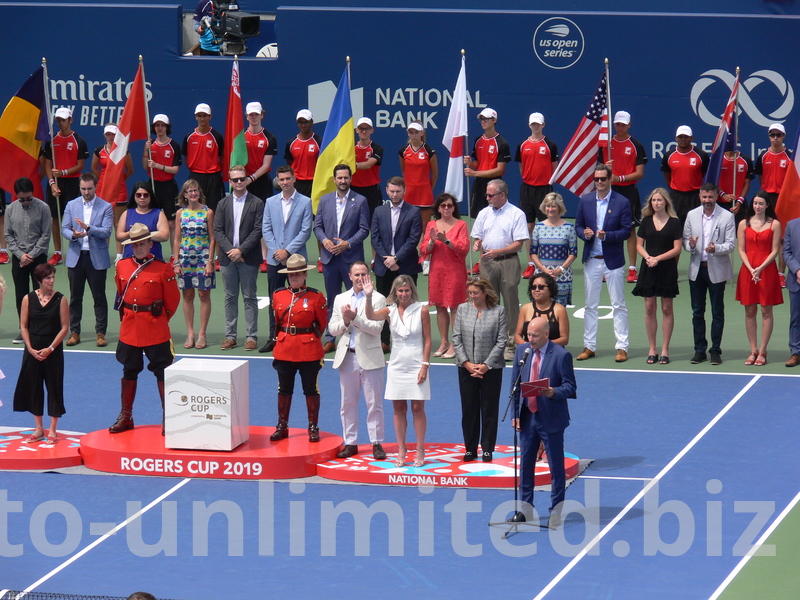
(759, 241)
(420, 169)
(446, 244)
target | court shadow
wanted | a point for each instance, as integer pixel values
(616, 462)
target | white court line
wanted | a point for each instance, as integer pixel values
(617, 478)
(103, 538)
(585, 550)
(756, 547)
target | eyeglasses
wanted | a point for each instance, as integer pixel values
(601, 179)
(490, 196)
(538, 286)
(447, 206)
(484, 118)
(238, 179)
(364, 129)
(775, 135)
(142, 195)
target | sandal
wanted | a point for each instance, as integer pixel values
(52, 439)
(202, 342)
(420, 458)
(441, 350)
(761, 360)
(664, 360)
(652, 359)
(34, 439)
(400, 461)
(189, 343)
(751, 360)
(451, 352)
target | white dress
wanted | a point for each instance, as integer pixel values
(406, 358)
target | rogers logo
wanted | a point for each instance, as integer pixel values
(558, 43)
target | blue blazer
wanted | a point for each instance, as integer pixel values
(617, 226)
(553, 413)
(100, 227)
(292, 235)
(355, 225)
(406, 238)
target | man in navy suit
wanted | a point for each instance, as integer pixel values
(543, 417)
(341, 226)
(604, 223)
(396, 229)
(791, 254)
(286, 228)
(87, 224)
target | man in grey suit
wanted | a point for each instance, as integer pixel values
(237, 229)
(709, 234)
(360, 361)
(341, 226)
(791, 254)
(286, 228)
(87, 224)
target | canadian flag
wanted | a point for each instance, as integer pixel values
(132, 126)
(454, 133)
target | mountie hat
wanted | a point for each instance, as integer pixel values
(138, 232)
(296, 263)
(684, 130)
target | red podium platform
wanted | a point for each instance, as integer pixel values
(14, 455)
(443, 467)
(141, 451)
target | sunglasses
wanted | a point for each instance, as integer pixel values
(447, 206)
(775, 135)
(28, 199)
(142, 195)
(238, 179)
(490, 196)
(601, 179)
(539, 286)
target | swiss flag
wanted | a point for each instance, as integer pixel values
(132, 126)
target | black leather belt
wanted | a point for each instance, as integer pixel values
(504, 256)
(703, 263)
(292, 330)
(598, 256)
(139, 307)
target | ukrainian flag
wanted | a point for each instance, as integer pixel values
(338, 145)
(24, 127)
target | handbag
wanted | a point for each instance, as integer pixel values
(426, 266)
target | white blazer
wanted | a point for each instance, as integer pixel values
(369, 352)
(723, 234)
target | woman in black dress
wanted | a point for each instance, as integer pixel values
(44, 323)
(659, 244)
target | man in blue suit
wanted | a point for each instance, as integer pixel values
(286, 228)
(87, 225)
(543, 417)
(341, 226)
(604, 223)
(791, 254)
(396, 229)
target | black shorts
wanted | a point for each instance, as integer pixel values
(304, 186)
(530, 199)
(683, 202)
(631, 192)
(2, 202)
(478, 201)
(160, 356)
(262, 188)
(212, 186)
(166, 197)
(373, 195)
(70, 189)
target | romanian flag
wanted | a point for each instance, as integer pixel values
(132, 126)
(23, 128)
(235, 148)
(337, 143)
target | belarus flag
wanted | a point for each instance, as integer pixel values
(132, 126)
(235, 146)
(454, 133)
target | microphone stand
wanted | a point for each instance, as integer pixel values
(518, 519)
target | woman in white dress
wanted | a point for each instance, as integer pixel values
(407, 372)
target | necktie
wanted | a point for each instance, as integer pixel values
(533, 405)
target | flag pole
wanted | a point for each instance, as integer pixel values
(468, 187)
(608, 111)
(49, 175)
(735, 137)
(147, 121)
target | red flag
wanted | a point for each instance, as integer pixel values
(132, 126)
(454, 134)
(788, 205)
(576, 168)
(604, 135)
(235, 152)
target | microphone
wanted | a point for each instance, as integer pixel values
(524, 356)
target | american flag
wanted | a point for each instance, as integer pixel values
(726, 136)
(576, 168)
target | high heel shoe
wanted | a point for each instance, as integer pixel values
(751, 360)
(441, 350)
(761, 360)
(189, 343)
(400, 461)
(451, 352)
(419, 460)
(202, 342)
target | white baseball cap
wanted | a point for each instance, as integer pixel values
(202, 108)
(110, 129)
(304, 114)
(777, 127)
(536, 117)
(364, 121)
(488, 113)
(415, 126)
(253, 107)
(622, 116)
(684, 130)
(63, 113)
(161, 118)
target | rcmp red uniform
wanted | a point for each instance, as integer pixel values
(309, 307)
(155, 282)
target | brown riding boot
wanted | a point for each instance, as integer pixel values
(312, 404)
(282, 429)
(125, 419)
(160, 385)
